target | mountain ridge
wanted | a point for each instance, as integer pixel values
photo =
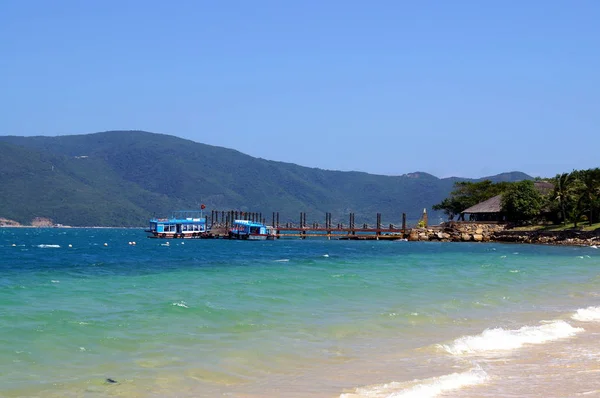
(121, 178)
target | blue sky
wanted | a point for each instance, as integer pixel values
(465, 88)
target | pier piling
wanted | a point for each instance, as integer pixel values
(304, 229)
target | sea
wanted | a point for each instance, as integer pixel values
(105, 312)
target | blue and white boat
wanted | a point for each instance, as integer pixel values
(183, 224)
(250, 230)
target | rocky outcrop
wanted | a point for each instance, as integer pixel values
(471, 232)
(5, 222)
(456, 232)
(569, 237)
(42, 222)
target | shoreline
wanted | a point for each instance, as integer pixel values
(447, 232)
(499, 233)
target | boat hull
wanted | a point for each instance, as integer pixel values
(170, 235)
(236, 236)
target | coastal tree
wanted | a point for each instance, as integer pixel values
(564, 194)
(588, 192)
(522, 202)
(467, 194)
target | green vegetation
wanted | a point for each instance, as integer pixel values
(122, 178)
(558, 227)
(521, 201)
(467, 194)
(574, 198)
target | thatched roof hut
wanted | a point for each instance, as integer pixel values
(492, 205)
(491, 209)
(544, 187)
(488, 210)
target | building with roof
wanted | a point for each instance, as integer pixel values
(491, 210)
(488, 210)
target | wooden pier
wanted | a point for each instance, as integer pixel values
(221, 221)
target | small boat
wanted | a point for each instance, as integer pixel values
(183, 224)
(250, 230)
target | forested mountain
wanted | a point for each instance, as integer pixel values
(121, 178)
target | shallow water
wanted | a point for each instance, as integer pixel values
(293, 317)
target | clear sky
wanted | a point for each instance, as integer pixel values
(465, 88)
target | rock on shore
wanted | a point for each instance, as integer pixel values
(473, 232)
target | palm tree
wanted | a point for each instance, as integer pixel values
(590, 190)
(561, 193)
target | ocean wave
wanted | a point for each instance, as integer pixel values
(503, 340)
(182, 304)
(48, 246)
(589, 314)
(431, 387)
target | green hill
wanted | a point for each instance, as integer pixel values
(121, 178)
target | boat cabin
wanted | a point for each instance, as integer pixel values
(244, 229)
(182, 224)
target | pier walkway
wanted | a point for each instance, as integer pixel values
(221, 221)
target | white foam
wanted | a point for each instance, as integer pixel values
(181, 304)
(503, 340)
(55, 281)
(431, 387)
(325, 255)
(375, 391)
(590, 314)
(439, 385)
(48, 246)
(283, 260)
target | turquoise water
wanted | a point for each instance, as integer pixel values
(276, 318)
